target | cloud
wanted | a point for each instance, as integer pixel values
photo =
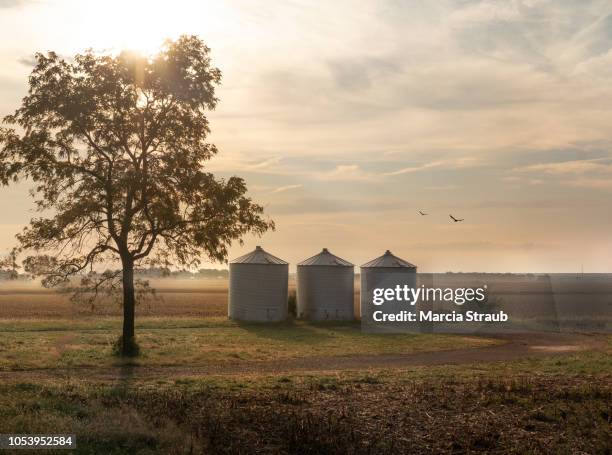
(363, 72)
(242, 162)
(441, 187)
(593, 39)
(265, 164)
(511, 178)
(411, 169)
(28, 61)
(486, 11)
(591, 183)
(439, 76)
(348, 172)
(448, 164)
(282, 189)
(480, 245)
(314, 204)
(569, 167)
(595, 174)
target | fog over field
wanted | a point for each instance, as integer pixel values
(557, 302)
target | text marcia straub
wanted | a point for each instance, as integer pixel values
(431, 316)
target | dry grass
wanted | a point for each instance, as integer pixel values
(391, 413)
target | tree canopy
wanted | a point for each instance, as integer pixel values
(116, 147)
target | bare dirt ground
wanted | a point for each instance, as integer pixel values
(512, 347)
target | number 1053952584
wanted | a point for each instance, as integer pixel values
(37, 441)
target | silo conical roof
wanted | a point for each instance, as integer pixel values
(326, 258)
(258, 256)
(388, 260)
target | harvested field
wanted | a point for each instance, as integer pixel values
(433, 411)
(204, 384)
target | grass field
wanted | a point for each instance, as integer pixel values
(57, 375)
(27, 344)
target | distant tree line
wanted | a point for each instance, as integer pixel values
(152, 272)
(163, 272)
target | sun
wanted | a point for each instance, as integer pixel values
(135, 25)
(140, 26)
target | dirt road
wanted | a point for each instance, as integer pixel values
(511, 347)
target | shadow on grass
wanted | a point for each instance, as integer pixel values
(125, 379)
(298, 332)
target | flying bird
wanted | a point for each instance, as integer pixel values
(456, 220)
(423, 213)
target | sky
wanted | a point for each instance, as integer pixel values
(345, 118)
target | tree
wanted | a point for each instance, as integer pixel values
(115, 146)
(9, 266)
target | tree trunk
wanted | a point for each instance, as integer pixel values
(129, 302)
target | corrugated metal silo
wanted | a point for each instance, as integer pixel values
(325, 288)
(386, 271)
(258, 284)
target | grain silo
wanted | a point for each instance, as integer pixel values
(384, 272)
(258, 287)
(325, 288)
